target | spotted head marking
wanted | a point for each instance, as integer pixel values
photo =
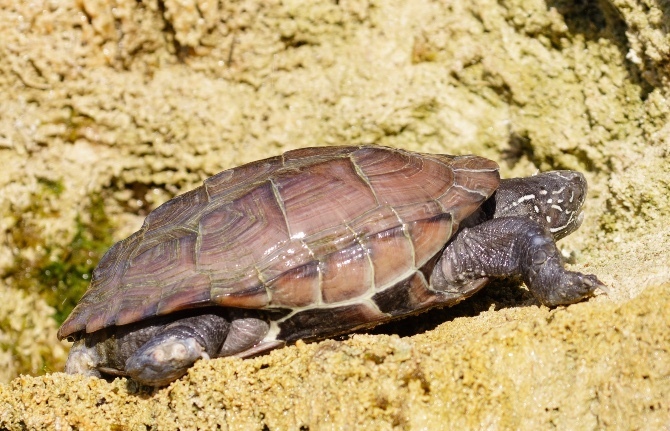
(553, 199)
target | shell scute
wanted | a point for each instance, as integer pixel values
(296, 287)
(175, 218)
(377, 220)
(392, 255)
(245, 292)
(291, 255)
(418, 211)
(302, 195)
(339, 284)
(170, 260)
(236, 236)
(429, 236)
(113, 264)
(189, 292)
(399, 178)
(331, 240)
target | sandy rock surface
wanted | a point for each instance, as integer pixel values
(109, 108)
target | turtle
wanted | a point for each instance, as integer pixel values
(314, 243)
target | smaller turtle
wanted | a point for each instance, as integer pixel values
(318, 242)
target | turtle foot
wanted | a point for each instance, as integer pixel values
(571, 288)
(162, 360)
(82, 360)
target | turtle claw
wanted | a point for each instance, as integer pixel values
(592, 283)
(599, 285)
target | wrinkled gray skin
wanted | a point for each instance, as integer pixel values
(512, 234)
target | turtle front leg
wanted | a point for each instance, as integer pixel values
(511, 247)
(169, 353)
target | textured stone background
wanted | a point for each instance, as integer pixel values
(109, 108)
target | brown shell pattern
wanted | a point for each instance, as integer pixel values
(318, 228)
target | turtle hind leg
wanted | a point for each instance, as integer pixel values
(511, 247)
(170, 352)
(246, 332)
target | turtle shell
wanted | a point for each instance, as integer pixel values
(315, 228)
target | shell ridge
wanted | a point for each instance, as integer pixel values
(386, 150)
(280, 202)
(207, 192)
(410, 162)
(363, 177)
(482, 170)
(140, 234)
(358, 240)
(439, 159)
(163, 289)
(405, 232)
(319, 270)
(439, 204)
(196, 250)
(263, 283)
(474, 192)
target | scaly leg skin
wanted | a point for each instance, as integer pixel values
(511, 247)
(168, 354)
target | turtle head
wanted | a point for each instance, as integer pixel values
(554, 199)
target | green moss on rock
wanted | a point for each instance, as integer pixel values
(59, 274)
